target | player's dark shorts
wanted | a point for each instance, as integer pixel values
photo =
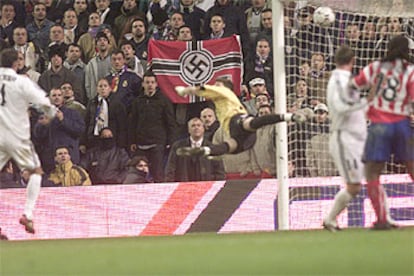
(385, 139)
(245, 139)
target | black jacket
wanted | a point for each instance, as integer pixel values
(183, 168)
(151, 121)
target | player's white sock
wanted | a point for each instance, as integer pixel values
(341, 200)
(32, 192)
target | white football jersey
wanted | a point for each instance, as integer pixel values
(346, 108)
(17, 93)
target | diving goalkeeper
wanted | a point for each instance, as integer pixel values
(234, 118)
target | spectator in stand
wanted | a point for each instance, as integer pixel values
(7, 21)
(87, 40)
(75, 64)
(128, 9)
(32, 53)
(301, 98)
(267, 27)
(176, 21)
(133, 63)
(264, 150)
(70, 102)
(235, 21)
(151, 125)
(319, 76)
(106, 163)
(8, 177)
(217, 27)
(308, 37)
(66, 173)
(56, 38)
(193, 17)
(81, 9)
(58, 74)
(99, 66)
(185, 33)
(261, 63)
(72, 29)
(258, 93)
(106, 12)
(140, 40)
(209, 119)
(22, 69)
(161, 25)
(125, 84)
(55, 10)
(254, 16)
(318, 158)
(189, 168)
(105, 110)
(39, 28)
(65, 129)
(138, 171)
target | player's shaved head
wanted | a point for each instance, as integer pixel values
(344, 55)
(8, 57)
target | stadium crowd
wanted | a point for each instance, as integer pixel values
(114, 125)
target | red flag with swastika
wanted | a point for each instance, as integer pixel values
(195, 62)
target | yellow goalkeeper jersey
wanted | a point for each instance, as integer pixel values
(226, 102)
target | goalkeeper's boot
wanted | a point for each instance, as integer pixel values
(330, 226)
(2, 236)
(27, 223)
(189, 151)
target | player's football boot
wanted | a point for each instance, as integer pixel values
(330, 226)
(27, 223)
(189, 151)
(2, 236)
(384, 226)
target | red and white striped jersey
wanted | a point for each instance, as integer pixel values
(394, 87)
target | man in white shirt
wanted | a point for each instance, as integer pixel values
(17, 94)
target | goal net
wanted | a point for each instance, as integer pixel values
(367, 27)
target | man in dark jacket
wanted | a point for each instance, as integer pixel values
(193, 168)
(63, 130)
(151, 125)
(107, 163)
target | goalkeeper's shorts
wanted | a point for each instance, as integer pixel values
(245, 139)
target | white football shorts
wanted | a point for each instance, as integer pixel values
(346, 150)
(21, 151)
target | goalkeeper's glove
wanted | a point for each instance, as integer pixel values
(184, 91)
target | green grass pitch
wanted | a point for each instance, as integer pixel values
(349, 252)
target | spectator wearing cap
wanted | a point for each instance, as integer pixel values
(58, 74)
(258, 94)
(318, 159)
(99, 66)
